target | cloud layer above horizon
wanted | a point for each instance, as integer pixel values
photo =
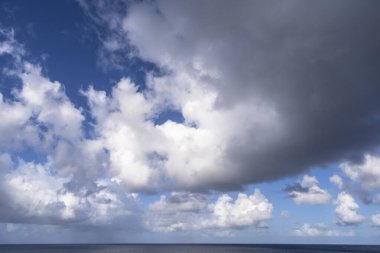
(265, 90)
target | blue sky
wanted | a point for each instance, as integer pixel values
(167, 121)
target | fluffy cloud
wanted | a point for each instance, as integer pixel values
(50, 105)
(68, 182)
(40, 112)
(375, 219)
(33, 194)
(15, 128)
(43, 119)
(337, 180)
(307, 191)
(320, 230)
(124, 128)
(184, 211)
(246, 211)
(187, 156)
(366, 173)
(346, 210)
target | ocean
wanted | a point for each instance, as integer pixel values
(187, 248)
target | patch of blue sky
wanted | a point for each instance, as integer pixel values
(30, 155)
(170, 114)
(67, 47)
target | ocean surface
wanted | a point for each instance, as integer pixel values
(187, 248)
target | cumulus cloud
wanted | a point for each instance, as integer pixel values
(68, 181)
(43, 119)
(253, 80)
(366, 173)
(142, 153)
(252, 210)
(15, 128)
(365, 178)
(375, 219)
(185, 211)
(346, 210)
(259, 79)
(123, 126)
(337, 180)
(307, 191)
(320, 229)
(33, 194)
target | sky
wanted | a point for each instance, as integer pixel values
(189, 121)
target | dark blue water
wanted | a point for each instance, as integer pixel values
(187, 248)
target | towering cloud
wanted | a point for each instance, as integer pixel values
(273, 87)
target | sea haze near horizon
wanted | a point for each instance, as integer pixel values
(186, 248)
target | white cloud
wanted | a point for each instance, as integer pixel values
(375, 219)
(346, 210)
(49, 104)
(337, 180)
(35, 194)
(184, 212)
(307, 191)
(142, 153)
(320, 230)
(126, 131)
(366, 173)
(245, 211)
(16, 130)
(10, 46)
(43, 119)
(63, 184)
(39, 114)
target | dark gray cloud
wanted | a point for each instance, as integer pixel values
(315, 63)
(296, 187)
